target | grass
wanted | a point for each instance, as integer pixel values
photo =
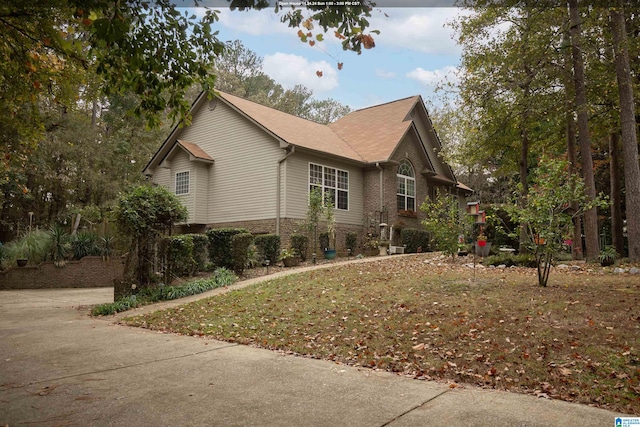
(576, 340)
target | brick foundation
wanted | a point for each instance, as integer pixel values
(89, 272)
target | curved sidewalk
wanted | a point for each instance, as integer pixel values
(62, 367)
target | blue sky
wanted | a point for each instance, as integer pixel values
(414, 51)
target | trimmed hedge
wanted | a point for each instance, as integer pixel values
(200, 246)
(220, 245)
(269, 246)
(221, 277)
(300, 243)
(414, 239)
(240, 251)
(180, 260)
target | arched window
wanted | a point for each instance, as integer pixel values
(406, 187)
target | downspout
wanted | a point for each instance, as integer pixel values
(289, 151)
(381, 169)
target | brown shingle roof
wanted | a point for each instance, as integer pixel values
(294, 130)
(375, 132)
(195, 151)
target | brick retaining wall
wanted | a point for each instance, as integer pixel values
(89, 272)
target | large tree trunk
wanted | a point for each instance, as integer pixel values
(591, 215)
(572, 152)
(616, 193)
(628, 131)
(576, 247)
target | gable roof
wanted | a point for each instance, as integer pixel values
(292, 129)
(369, 135)
(195, 151)
(376, 131)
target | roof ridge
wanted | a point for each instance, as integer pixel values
(384, 103)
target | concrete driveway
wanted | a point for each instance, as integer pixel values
(60, 367)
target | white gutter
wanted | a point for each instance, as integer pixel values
(290, 149)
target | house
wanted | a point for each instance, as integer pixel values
(241, 164)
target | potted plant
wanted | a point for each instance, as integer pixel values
(482, 240)
(608, 256)
(290, 257)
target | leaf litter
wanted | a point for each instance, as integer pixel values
(577, 340)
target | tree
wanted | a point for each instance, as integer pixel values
(591, 215)
(156, 51)
(443, 222)
(548, 210)
(628, 130)
(144, 213)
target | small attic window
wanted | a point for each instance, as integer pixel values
(182, 183)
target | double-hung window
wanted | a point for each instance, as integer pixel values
(406, 187)
(332, 182)
(182, 183)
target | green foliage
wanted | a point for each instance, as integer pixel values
(33, 245)
(608, 254)
(240, 244)
(314, 214)
(269, 246)
(442, 221)
(548, 210)
(60, 245)
(200, 248)
(300, 243)
(221, 277)
(84, 243)
(145, 211)
(220, 245)
(351, 241)
(414, 240)
(107, 244)
(180, 259)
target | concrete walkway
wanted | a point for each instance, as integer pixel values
(60, 367)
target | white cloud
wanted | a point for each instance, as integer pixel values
(289, 70)
(254, 22)
(433, 78)
(385, 74)
(421, 29)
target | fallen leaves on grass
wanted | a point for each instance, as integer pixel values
(428, 319)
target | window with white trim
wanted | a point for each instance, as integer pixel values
(406, 187)
(182, 182)
(332, 182)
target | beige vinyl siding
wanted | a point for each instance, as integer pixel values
(243, 178)
(296, 183)
(180, 163)
(201, 192)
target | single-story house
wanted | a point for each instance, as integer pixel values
(241, 164)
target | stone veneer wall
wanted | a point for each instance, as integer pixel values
(89, 272)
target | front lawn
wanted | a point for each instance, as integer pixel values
(576, 340)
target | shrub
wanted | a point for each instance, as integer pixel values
(221, 277)
(351, 241)
(83, 244)
(33, 245)
(300, 243)
(269, 246)
(239, 251)
(180, 260)
(200, 257)
(414, 239)
(220, 245)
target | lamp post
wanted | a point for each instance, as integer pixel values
(267, 263)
